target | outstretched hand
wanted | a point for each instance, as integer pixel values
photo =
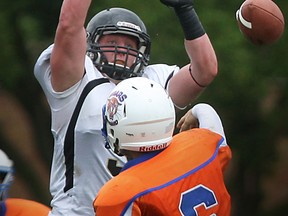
(177, 3)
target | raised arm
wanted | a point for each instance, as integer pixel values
(192, 79)
(68, 55)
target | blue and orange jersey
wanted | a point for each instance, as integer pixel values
(22, 207)
(184, 179)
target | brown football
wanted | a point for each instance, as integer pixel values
(261, 21)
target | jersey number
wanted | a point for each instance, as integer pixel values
(191, 199)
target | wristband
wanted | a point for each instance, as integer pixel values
(189, 21)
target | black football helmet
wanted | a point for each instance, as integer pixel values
(118, 21)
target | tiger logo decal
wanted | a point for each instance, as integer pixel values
(114, 102)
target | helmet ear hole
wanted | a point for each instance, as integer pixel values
(117, 147)
(112, 132)
(94, 56)
(2, 176)
(124, 111)
(91, 55)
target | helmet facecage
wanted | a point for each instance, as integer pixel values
(124, 22)
(138, 116)
(6, 175)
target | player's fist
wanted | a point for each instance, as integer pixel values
(177, 3)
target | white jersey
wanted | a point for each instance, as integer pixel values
(81, 164)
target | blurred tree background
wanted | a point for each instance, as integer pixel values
(250, 93)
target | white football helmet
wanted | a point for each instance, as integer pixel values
(138, 116)
(6, 175)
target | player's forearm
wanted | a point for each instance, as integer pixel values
(71, 34)
(73, 14)
(204, 66)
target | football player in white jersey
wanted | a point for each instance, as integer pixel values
(77, 73)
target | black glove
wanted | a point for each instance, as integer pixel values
(188, 17)
(177, 3)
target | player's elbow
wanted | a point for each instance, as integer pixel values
(68, 24)
(208, 70)
(212, 70)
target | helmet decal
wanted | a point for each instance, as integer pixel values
(153, 147)
(115, 100)
(128, 25)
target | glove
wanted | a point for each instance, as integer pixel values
(176, 3)
(188, 18)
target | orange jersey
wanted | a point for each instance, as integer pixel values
(22, 207)
(184, 179)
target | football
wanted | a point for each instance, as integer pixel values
(260, 21)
